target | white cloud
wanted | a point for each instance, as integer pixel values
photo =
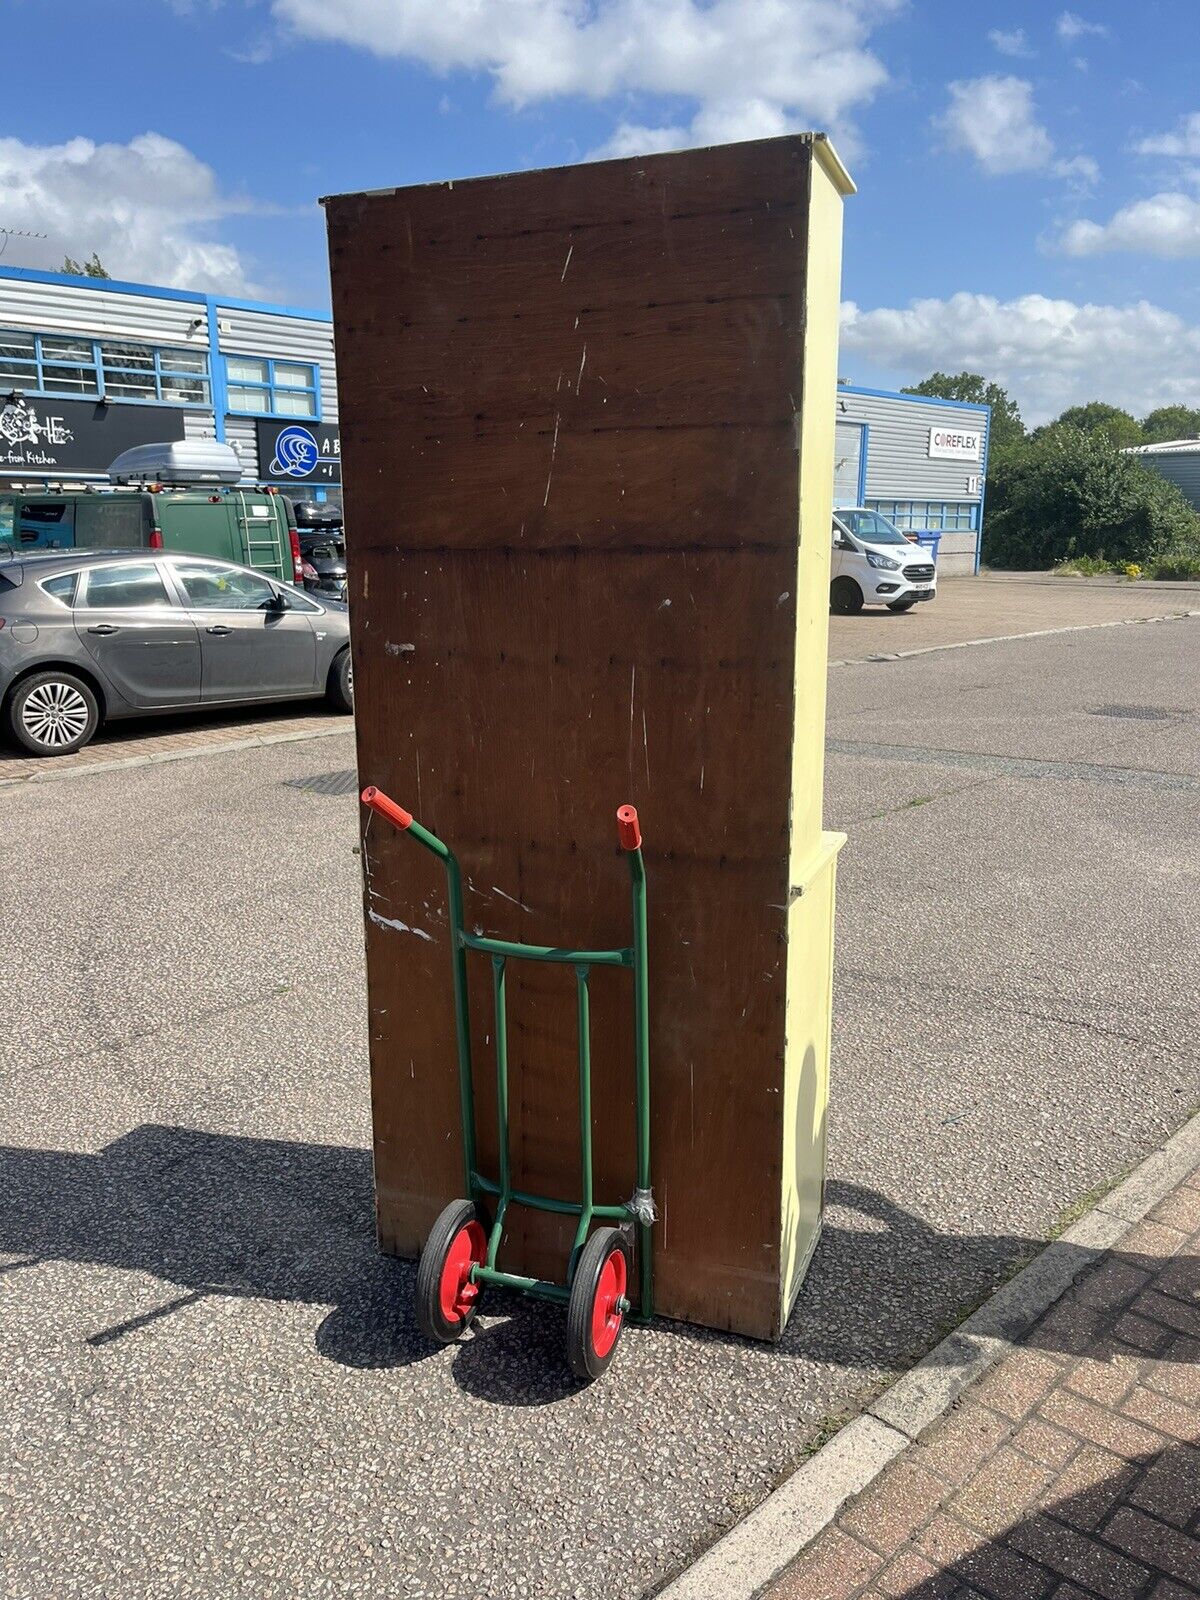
(145, 207)
(1081, 172)
(1071, 26)
(1010, 44)
(1164, 225)
(1048, 353)
(771, 65)
(721, 122)
(1183, 144)
(993, 119)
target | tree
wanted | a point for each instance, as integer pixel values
(1007, 427)
(1099, 417)
(93, 268)
(1068, 494)
(1171, 422)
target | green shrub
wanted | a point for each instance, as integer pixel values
(1175, 564)
(1085, 567)
(1069, 494)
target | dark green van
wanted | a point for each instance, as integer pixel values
(254, 527)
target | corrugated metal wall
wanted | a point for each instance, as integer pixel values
(1180, 467)
(899, 466)
(66, 307)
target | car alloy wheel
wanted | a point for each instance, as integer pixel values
(55, 714)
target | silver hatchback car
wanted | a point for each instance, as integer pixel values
(90, 636)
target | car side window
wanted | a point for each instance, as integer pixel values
(216, 588)
(299, 602)
(132, 584)
(62, 587)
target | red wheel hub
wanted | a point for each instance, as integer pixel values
(456, 1293)
(606, 1313)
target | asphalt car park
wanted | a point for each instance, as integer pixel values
(967, 609)
(211, 1380)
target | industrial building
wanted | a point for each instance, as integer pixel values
(1178, 460)
(90, 367)
(921, 462)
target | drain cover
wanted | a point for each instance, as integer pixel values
(1140, 713)
(345, 782)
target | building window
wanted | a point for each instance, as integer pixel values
(261, 387)
(925, 516)
(108, 369)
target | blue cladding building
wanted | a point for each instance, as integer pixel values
(921, 462)
(91, 366)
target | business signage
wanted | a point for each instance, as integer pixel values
(955, 444)
(299, 452)
(59, 439)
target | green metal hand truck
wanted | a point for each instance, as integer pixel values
(459, 1256)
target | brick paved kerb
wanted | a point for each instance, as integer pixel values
(1069, 1470)
(1072, 1469)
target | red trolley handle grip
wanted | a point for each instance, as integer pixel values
(629, 830)
(378, 801)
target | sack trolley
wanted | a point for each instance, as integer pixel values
(459, 1256)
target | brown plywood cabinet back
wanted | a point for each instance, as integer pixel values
(572, 410)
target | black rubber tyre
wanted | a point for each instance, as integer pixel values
(445, 1302)
(339, 690)
(845, 596)
(52, 713)
(903, 605)
(594, 1327)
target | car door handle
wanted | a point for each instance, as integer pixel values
(104, 627)
(218, 628)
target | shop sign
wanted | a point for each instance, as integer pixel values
(955, 444)
(299, 452)
(71, 438)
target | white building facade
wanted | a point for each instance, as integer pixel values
(91, 366)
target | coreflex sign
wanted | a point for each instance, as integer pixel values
(955, 444)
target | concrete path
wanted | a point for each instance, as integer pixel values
(1005, 606)
(1071, 1470)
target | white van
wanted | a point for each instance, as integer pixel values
(874, 564)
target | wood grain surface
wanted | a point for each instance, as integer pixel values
(568, 409)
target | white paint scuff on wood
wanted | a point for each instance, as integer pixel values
(400, 927)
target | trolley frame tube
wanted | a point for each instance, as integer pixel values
(501, 951)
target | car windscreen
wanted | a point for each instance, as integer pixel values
(871, 528)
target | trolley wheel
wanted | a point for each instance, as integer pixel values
(446, 1298)
(594, 1318)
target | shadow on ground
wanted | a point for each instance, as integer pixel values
(1116, 1535)
(216, 1214)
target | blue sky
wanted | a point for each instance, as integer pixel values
(1029, 175)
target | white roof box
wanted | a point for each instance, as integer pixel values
(178, 461)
